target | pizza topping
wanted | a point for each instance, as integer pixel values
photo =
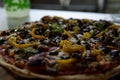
(37, 65)
(4, 33)
(37, 62)
(86, 35)
(11, 53)
(67, 33)
(76, 55)
(95, 52)
(2, 40)
(25, 53)
(65, 63)
(114, 53)
(32, 33)
(53, 53)
(12, 41)
(20, 64)
(55, 45)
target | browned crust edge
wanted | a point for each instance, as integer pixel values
(27, 74)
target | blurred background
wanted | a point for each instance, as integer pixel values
(102, 6)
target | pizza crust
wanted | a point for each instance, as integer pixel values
(27, 74)
(115, 71)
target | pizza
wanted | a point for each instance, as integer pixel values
(62, 49)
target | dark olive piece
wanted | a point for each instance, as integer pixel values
(41, 40)
(31, 39)
(83, 67)
(7, 50)
(115, 32)
(87, 46)
(114, 53)
(89, 58)
(17, 50)
(76, 55)
(75, 36)
(3, 33)
(2, 40)
(105, 49)
(10, 47)
(64, 36)
(65, 57)
(86, 30)
(79, 42)
(37, 62)
(53, 53)
(46, 19)
(46, 41)
(79, 23)
(21, 42)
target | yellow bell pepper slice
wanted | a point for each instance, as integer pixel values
(95, 52)
(76, 29)
(67, 33)
(68, 46)
(73, 48)
(65, 42)
(32, 33)
(86, 35)
(99, 34)
(12, 41)
(61, 64)
(114, 26)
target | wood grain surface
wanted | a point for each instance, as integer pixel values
(4, 75)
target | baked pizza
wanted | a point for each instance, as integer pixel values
(62, 49)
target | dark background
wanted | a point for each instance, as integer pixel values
(109, 6)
